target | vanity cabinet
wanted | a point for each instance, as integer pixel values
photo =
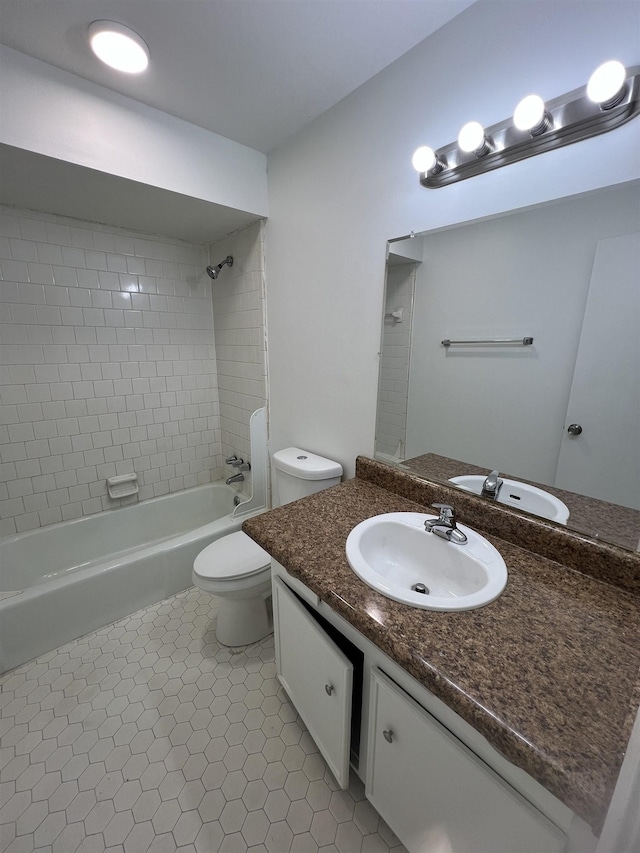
(435, 793)
(317, 676)
(437, 783)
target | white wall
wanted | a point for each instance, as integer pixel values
(344, 185)
(54, 113)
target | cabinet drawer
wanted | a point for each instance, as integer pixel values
(435, 793)
(317, 677)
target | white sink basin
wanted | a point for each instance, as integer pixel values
(393, 552)
(519, 495)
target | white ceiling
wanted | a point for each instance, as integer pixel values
(254, 71)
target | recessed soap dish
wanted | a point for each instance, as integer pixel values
(123, 485)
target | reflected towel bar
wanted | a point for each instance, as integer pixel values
(523, 342)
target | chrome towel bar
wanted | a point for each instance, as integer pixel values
(524, 342)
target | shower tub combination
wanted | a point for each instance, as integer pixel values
(68, 579)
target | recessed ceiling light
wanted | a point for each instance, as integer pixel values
(118, 46)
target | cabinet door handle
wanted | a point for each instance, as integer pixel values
(328, 689)
(388, 735)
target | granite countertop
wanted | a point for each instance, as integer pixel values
(548, 673)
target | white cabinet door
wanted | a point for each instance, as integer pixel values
(317, 677)
(436, 795)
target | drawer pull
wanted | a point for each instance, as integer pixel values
(328, 689)
(388, 735)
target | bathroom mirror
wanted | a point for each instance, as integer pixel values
(562, 411)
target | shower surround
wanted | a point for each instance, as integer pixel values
(107, 365)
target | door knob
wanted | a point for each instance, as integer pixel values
(388, 735)
(574, 429)
(328, 689)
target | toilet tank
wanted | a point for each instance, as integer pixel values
(300, 473)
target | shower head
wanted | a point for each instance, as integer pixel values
(214, 272)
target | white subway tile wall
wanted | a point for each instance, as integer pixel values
(239, 323)
(107, 366)
(393, 386)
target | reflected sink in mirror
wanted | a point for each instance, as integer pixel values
(520, 496)
(394, 554)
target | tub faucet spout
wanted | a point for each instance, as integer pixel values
(236, 478)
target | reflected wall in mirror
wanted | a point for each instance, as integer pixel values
(566, 274)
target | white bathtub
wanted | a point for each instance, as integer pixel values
(62, 581)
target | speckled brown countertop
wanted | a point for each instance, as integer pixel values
(548, 673)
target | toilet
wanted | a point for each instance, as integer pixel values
(238, 570)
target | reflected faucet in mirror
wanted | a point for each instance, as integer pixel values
(491, 486)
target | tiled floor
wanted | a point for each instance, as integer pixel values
(149, 736)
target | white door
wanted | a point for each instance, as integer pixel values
(600, 456)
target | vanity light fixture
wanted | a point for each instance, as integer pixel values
(611, 98)
(425, 160)
(606, 86)
(118, 47)
(531, 115)
(473, 140)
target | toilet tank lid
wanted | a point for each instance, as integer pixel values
(305, 465)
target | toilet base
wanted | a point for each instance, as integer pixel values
(242, 621)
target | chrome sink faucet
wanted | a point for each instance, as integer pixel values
(445, 526)
(491, 486)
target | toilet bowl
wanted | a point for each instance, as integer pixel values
(238, 571)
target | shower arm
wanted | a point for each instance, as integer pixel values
(213, 272)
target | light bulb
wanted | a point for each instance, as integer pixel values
(472, 139)
(531, 115)
(118, 46)
(424, 158)
(606, 84)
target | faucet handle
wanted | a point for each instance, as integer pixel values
(238, 463)
(445, 526)
(230, 460)
(447, 513)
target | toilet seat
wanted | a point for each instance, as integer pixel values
(238, 571)
(232, 557)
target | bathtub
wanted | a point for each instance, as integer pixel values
(65, 580)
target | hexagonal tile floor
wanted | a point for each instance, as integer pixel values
(149, 736)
